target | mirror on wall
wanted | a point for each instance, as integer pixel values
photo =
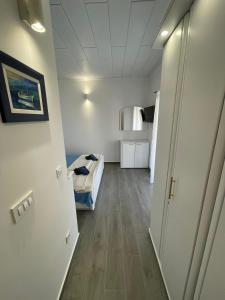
(131, 119)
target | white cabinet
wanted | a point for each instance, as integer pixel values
(127, 155)
(134, 154)
(141, 155)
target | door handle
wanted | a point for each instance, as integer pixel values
(172, 188)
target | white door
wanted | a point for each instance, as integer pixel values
(199, 114)
(141, 157)
(214, 271)
(169, 82)
(127, 159)
(154, 138)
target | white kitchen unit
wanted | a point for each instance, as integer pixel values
(134, 154)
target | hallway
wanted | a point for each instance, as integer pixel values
(114, 258)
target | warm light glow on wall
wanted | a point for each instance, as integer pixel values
(87, 91)
(179, 32)
(88, 109)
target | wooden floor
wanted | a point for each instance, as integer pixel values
(114, 258)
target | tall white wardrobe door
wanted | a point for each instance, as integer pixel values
(170, 70)
(201, 104)
(213, 286)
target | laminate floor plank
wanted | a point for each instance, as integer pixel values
(114, 258)
(151, 272)
(135, 288)
(114, 295)
(115, 270)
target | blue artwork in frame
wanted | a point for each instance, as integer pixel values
(22, 92)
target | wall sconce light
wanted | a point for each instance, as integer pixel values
(86, 97)
(30, 12)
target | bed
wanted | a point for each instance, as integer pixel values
(86, 187)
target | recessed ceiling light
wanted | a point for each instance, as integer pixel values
(164, 33)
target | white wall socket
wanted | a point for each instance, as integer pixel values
(19, 209)
(68, 235)
(59, 171)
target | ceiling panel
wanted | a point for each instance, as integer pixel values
(102, 67)
(69, 67)
(66, 65)
(143, 56)
(147, 64)
(99, 18)
(76, 12)
(113, 38)
(119, 12)
(140, 15)
(117, 61)
(65, 32)
(59, 44)
(153, 26)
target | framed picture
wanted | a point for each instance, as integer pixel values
(22, 92)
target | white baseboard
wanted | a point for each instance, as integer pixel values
(160, 266)
(67, 267)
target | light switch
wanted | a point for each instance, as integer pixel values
(20, 209)
(25, 205)
(30, 200)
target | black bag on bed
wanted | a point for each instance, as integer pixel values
(81, 171)
(91, 157)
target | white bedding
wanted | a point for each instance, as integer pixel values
(84, 183)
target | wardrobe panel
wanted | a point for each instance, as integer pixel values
(170, 70)
(213, 284)
(201, 104)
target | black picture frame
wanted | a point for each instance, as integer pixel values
(17, 105)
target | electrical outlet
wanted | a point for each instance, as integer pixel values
(68, 237)
(59, 172)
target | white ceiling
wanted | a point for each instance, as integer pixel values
(106, 38)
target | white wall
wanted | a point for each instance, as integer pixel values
(93, 126)
(33, 253)
(154, 83)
